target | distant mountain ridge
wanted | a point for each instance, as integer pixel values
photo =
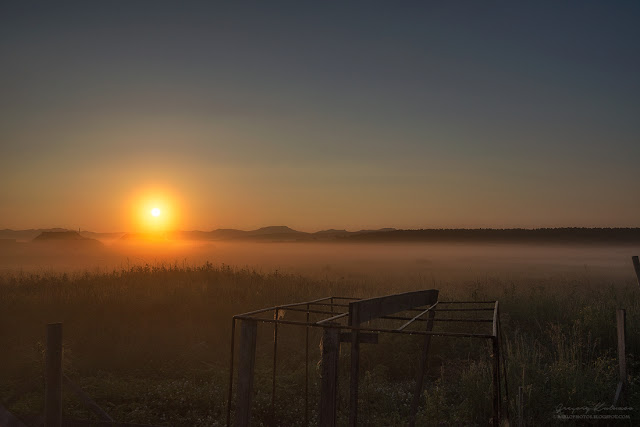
(32, 233)
(279, 233)
(576, 235)
(283, 233)
(24, 235)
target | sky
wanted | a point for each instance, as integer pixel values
(319, 115)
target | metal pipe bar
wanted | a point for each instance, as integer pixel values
(442, 319)
(416, 317)
(310, 311)
(441, 302)
(347, 305)
(318, 302)
(381, 317)
(329, 304)
(437, 309)
(467, 302)
(390, 331)
(329, 319)
(251, 313)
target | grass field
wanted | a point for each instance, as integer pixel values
(150, 344)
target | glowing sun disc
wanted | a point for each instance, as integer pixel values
(155, 212)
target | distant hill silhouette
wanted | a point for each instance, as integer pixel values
(66, 237)
(26, 235)
(30, 234)
(275, 229)
(511, 235)
(279, 233)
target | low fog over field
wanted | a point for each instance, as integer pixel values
(424, 261)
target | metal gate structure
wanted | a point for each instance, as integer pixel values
(348, 320)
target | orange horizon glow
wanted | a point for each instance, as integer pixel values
(155, 211)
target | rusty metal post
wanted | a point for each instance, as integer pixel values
(422, 369)
(329, 390)
(53, 377)
(246, 366)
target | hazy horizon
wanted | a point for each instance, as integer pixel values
(305, 230)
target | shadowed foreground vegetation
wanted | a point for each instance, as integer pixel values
(150, 344)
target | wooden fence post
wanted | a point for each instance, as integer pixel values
(53, 376)
(246, 366)
(329, 390)
(622, 359)
(355, 368)
(497, 413)
(495, 354)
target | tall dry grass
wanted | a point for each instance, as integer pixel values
(150, 344)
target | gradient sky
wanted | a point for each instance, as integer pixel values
(320, 114)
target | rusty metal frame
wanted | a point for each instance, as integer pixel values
(336, 306)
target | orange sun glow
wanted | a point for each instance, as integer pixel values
(155, 211)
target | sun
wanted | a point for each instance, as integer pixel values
(154, 210)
